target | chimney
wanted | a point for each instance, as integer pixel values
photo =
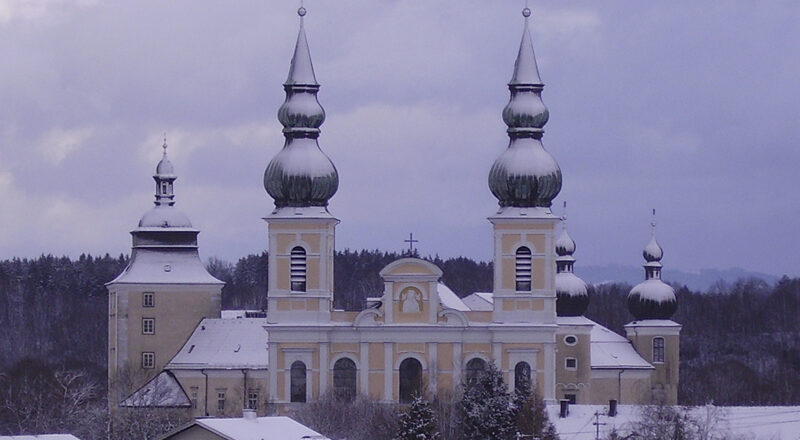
(564, 408)
(249, 414)
(612, 408)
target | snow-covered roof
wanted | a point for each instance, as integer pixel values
(610, 350)
(257, 428)
(655, 323)
(450, 300)
(39, 437)
(178, 266)
(479, 301)
(765, 422)
(161, 391)
(574, 320)
(224, 344)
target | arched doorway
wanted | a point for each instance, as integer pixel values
(410, 379)
(344, 379)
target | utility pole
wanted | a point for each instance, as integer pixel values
(597, 424)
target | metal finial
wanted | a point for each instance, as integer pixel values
(164, 145)
(301, 11)
(653, 222)
(526, 12)
(564, 215)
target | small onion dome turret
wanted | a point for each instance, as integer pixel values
(652, 298)
(301, 175)
(164, 214)
(572, 295)
(525, 175)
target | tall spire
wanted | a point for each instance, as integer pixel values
(525, 175)
(526, 70)
(301, 175)
(301, 71)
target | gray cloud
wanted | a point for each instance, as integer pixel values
(687, 107)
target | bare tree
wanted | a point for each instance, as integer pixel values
(363, 418)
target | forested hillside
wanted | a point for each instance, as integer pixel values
(740, 341)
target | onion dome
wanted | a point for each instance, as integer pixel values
(572, 295)
(164, 214)
(652, 298)
(301, 175)
(525, 175)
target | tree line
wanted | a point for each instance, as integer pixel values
(740, 343)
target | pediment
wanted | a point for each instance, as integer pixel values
(411, 268)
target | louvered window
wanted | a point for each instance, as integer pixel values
(523, 272)
(298, 269)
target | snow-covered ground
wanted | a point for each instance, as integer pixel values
(759, 422)
(40, 437)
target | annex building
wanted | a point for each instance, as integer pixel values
(170, 344)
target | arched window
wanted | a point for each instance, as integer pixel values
(658, 349)
(298, 269)
(475, 367)
(298, 382)
(523, 272)
(344, 379)
(522, 378)
(410, 379)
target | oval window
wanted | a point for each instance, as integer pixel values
(570, 340)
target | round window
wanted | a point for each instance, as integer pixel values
(571, 340)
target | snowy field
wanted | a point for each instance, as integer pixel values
(758, 423)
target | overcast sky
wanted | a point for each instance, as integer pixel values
(689, 107)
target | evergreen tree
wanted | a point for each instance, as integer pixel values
(487, 409)
(531, 416)
(418, 423)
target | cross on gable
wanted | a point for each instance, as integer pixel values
(411, 242)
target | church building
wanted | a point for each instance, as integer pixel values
(170, 345)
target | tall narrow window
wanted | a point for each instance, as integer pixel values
(410, 379)
(298, 269)
(148, 299)
(148, 360)
(344, 379)
(523, 271)
(522, 378)
(194, 391)
(252, 398)
(658, 349)
(297, 382)
(475, 367)
(221, 401)
(148, 326)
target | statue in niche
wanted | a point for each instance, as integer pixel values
(410, 299)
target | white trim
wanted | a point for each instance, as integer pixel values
(388, 374)
(517, 355)
(403, 356)
(349, 355)
(324, 355)
(363, 379)
(290, 356)
(566, 363)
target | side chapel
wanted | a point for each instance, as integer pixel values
(170, 345)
